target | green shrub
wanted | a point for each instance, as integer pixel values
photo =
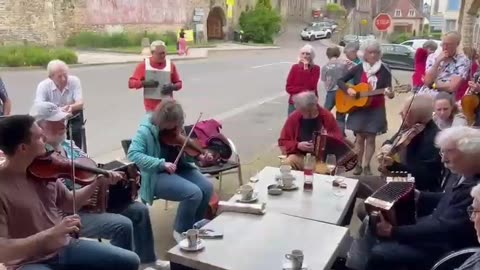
(400, 37)
(15, 56)
(117, 40)
(260, 24)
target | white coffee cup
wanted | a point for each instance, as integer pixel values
(192, 236)
(287, 180)
(246, 192)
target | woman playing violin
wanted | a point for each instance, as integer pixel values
(33, 233)
(162, 178)
(446, 112)
(415, 146)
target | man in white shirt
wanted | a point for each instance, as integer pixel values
(65, 91)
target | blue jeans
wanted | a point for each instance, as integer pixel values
(330, 101)
(133, 222)
(91, 255)
(189, 187)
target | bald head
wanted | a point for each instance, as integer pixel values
(419, 110)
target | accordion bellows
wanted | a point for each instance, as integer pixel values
(325, 144)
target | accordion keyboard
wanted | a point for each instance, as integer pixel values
(393, 191)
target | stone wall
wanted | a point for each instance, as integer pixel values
(53, 21)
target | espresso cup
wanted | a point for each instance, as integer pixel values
(246, 192)
(287, 180)
(296, 257)
(192, 237)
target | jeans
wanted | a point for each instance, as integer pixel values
(91, 255)
(329, 104)
(189, 187)
(291, 108)
(120, 228)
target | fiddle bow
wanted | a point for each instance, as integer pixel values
(187, 140)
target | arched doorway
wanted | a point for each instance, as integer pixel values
(215, 22)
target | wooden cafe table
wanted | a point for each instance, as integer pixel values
(260, 242)
(321, 204)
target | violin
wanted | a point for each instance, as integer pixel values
(470, 102)
(174, 137)
(52, 166)
(401, 141)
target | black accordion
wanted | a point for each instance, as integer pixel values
(395, 201)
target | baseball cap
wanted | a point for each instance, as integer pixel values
(47, 111)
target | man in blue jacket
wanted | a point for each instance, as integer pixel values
(445, 229)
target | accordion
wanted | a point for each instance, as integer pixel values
(115, 198)
(326, 145)
(395, 201)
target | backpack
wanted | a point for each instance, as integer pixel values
(207, 134)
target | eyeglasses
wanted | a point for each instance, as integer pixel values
(472, 212)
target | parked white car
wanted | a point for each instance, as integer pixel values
(418, 43)
(316, 31)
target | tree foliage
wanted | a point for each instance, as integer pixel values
(260, 24)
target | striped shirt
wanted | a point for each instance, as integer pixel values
(49, 92)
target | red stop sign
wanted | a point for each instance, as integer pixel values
(383, 21)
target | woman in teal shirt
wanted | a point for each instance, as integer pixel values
(161, 178)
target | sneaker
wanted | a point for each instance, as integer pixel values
(367, 171)
(158, 265)
(358, 170)
(177, 236)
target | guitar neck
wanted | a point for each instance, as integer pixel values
(373, 93)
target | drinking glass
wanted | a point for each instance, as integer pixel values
(331, 162)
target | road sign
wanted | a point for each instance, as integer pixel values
(383, 22)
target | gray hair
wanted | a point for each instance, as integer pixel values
(305, 100)
(309, 49)
(475, 193)
(157, 43)
(421, 105)
(55, 65)
(371, 44)
(351, 47)
(454, 34)
(168, 111)
(465, 139)
(430, 44)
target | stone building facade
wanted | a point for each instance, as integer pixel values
(52, 21)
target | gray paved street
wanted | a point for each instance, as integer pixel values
(244, 89)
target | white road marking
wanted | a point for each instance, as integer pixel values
(273, 64)
(235, 111)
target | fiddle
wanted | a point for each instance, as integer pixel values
(174, 137)
(470, 102)
(52, 166)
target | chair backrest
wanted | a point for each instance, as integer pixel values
(126, 145)
(455, 259)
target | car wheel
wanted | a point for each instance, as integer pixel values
(312, 38)
(329, 35)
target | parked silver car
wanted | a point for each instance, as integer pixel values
(316, 30)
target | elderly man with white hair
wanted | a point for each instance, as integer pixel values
(297, 133)
(157, 75)
(303, 76)
(473, 263)
(65, 91)
(447, 70)
(445, 229)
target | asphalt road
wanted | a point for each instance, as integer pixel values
(245, 90)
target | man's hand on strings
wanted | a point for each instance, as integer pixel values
(474, 86)
(170, 167)
(114, 177)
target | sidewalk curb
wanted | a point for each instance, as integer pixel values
(79, 65)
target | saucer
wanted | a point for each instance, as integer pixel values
(184, 245)
(253, 199)
(292, 187)
(288, 266)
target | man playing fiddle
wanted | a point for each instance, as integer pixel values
(33, 233)
(416, 150)
(444, 225)
(157, 75)
(297, 134)
(133, 221)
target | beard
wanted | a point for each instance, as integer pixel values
(57, 139)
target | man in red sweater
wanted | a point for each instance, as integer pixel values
(157, 75)
(297, 133)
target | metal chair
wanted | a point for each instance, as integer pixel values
(455, 259)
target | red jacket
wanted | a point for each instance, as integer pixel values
(135, 82)
(291, 130)
(300, 80)
(464, 86)
(421, 56)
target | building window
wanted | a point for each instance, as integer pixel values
(453, 5)
(411, 13)
(398, 13)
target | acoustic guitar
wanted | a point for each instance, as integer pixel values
(346, 104)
